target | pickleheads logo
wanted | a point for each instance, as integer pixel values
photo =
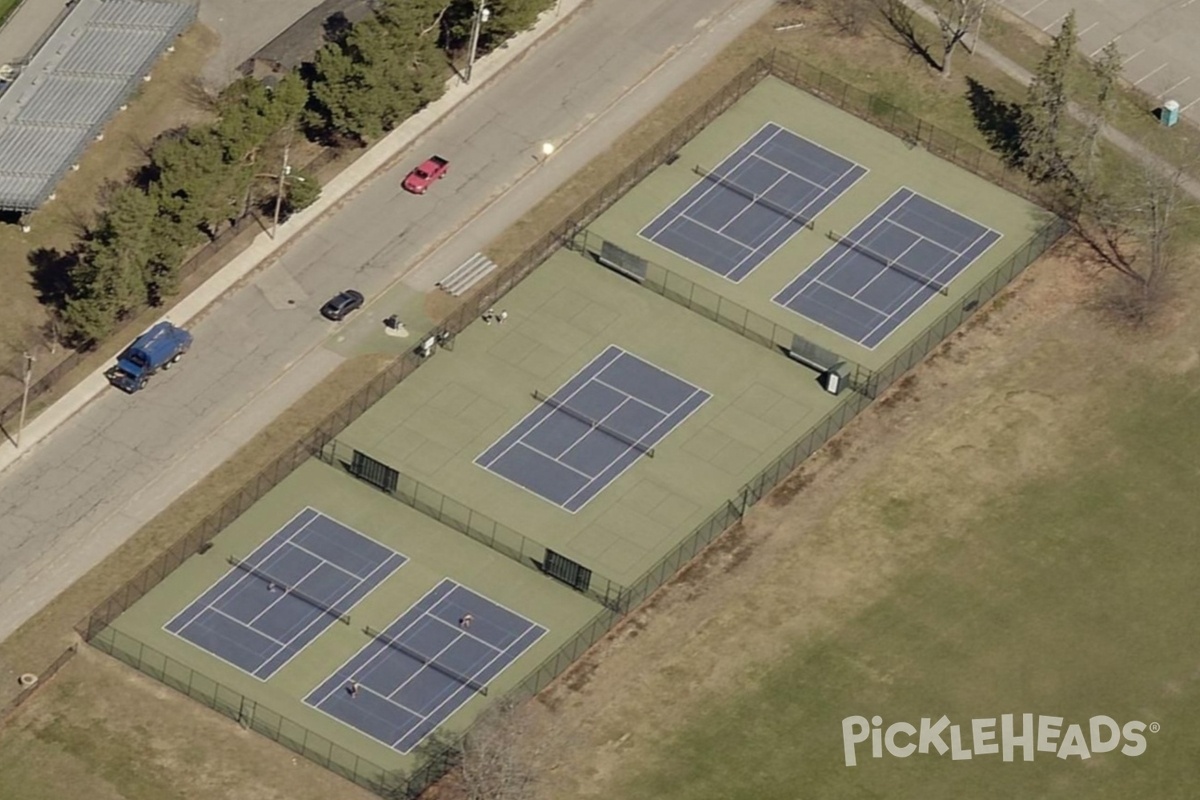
(1028, 734)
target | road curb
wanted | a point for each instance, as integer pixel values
(263, 250)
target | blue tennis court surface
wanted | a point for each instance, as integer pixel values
(894, 262)
(597, 425)
(749, 206)
(412, 676)
(259, 622)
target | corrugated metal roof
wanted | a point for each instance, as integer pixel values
(137, 14)
(110, 51)
(71, 100)
(72, 86)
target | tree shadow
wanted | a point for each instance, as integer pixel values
(337, 27)
(903, 31)
(998, 120)
(50, 275)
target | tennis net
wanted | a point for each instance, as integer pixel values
(428, 661)
(593, 423)
(753, 197)
(890, 263)
(288, 589)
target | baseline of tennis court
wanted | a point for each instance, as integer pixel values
(895, 261)
(275, 602)
(411, 677)
(757, 199)
(595, 426)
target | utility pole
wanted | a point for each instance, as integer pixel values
(25, 396)
(283, 174)
(481, 16)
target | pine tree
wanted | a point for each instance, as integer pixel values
(1046, 108)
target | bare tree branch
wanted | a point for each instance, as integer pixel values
(956, 18)
(1131, 228)
(437, 23)
(495, 762)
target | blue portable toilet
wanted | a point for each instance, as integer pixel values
(1169, 114)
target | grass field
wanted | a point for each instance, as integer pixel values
(7, 7)
(166, 102)
(1006, 532)
(794, 599)
(1061, 596)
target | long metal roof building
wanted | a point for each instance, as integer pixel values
(62, 99)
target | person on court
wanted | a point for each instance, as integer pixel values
(466, 620)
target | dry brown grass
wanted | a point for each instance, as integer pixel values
(167, 102)
(677, 632)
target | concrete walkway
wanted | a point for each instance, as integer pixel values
(115, 464)
(264, 247)
(1025, 77)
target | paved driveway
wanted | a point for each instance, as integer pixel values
(1157, 39)
(88, 488)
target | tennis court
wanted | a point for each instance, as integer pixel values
(411, 677)
(272, 604)
(904, 254)
(758, 198)
(584, 436)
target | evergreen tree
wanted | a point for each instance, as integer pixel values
(109, 279)
(1045, 110)
(385, 70)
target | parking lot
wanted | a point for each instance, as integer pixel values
(1156, 39)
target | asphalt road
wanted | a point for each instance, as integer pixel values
(241, 26)
(88, 488)
(1157, 39)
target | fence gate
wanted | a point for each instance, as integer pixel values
(564, 569)
(622, 261)
(376, 473)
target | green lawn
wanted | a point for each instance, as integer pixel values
(1069, 597)
(7, 7)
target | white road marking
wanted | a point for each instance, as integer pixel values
(1148, 74)
(1132, 57)
(1035, 7)
(1088, 28)
(1173, 88)
(1106, 44)
(1052, 24)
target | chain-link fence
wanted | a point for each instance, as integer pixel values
(96, 628)
(716, 307)
(905, 125)
(10, 708)
(249, 713)
(13, 388)
(467, 521)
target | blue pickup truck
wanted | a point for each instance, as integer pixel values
(157, 348)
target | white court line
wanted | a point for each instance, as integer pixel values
(722, 234)
(1052, 24)
(1151, 72)
(279, 599)
(1035, 8)
(696, 390)
(1132, 57)
(882, 272)
(229, 616)
(1173, 88)
(1096, 52)
(937, 277)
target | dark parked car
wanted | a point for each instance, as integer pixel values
(342, 304)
